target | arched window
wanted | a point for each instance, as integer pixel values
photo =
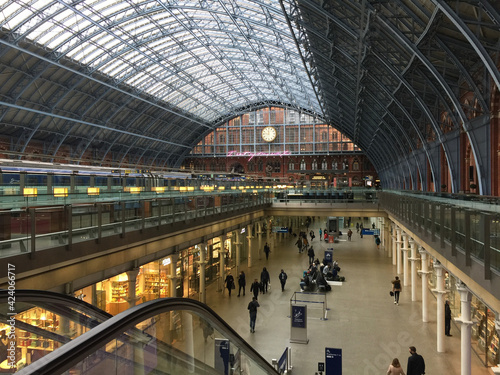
(314, 165)
(335, 165)
(260, 166)
(355, 165)
(302, 165)
(291, 165)
(277, 167)
(324, 164)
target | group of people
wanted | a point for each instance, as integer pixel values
(317, 274)
(256, 288)
(416, 364)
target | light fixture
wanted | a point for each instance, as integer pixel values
(93, 191)
(30, 192)
(60, 192)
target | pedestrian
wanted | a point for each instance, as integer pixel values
(255, 288)
(416, 363)
(264, 280)
(305, 243)
(377, 241)
(282, 276)
(310, 252)
(357, 227)
(320, 234)
(299, 244)
(396, 288)
(241, 283)
(229, 283)
(349, 234)
(252, 308)
(311, 234)
(447, 318)
(395, 368)
(267, 250)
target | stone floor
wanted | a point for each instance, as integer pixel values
(362, 319)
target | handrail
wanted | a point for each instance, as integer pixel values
(81, 347)
(44, 296)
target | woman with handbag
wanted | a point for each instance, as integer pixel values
(396, 288)
(229, 283)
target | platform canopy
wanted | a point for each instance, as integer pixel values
(140, 82)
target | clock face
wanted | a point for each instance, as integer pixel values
(269, 134)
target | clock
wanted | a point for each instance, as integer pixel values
(269, 134)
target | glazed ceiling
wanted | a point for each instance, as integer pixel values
(141, 82)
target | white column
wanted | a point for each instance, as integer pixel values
(237, 243)
(172, 275)
(249, 238)
(259, 237)
(465, 334)
(413, 260)
(202, 265)
(440, 305)
(405, 248)
(424, 271)
(398, 251)
(222, 263)
(394, 245)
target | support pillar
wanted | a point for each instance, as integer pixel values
(259, 237)
(132, 279)
(405, 249)
(222, 263)
(413, 260)
(440, 291)
(173, 276)
(465, 329)
(398, 251)
(249, 238)
(394, 245)
(238, 244)
(424, 271)
(202, 266)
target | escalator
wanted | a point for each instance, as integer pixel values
(163, 336)
(43, 321)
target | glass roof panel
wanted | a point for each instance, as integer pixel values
(194, 55)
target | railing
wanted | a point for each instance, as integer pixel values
(38, 228)
(470, 227)
(169, 335)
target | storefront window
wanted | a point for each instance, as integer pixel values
(484, 336)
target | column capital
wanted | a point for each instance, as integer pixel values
(459, 320)
(422, 251)
(440, 291)
(201, 262)
(425, 273)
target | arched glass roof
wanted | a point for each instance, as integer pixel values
(202, 57)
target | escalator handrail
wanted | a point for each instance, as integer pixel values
(32, 296)
(83, 346)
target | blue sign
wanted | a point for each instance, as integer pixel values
(333, 360)
(282, 362)
(329, 255)
(299, 316)
(371, 232)
(280, 229)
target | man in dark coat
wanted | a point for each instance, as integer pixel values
(241, 283)
(282, 276)
(416, 364)
(447, 318)
(252, 309)
(255, 288)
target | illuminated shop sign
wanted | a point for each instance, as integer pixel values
(251, 155)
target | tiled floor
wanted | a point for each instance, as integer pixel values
(362, 318)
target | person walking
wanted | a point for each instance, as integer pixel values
(395, 368)
(320, 234)
(241, 283)
(267, 250)
(447, 318)
(255, 288)
(349, 234)
(396, 288)
(282, 276)
(229, 283)
(311, 234)
(264, 280)
(377, 241)
(311, 255)
(416, 363)
(252, 308)
(299, 244)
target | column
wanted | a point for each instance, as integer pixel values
(393, 245)
(132, 279)
(249, 238)
(465, 329)
(172, 276)
(202, 266)
(440, 305)
(398, 251)
(424, 271)
(222, 263)
(413, 260)
(259, 237)
(238, 244)
(405, 248)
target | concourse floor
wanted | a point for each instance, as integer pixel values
(362, 318)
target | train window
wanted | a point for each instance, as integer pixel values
(36, 180)
(116, 181)
(82, 180)
(61, 180)
(10, 179)
(101, 181)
